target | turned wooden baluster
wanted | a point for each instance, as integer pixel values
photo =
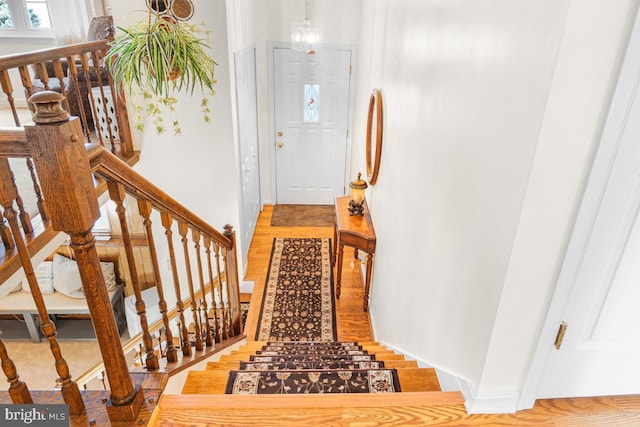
(44, 74)
(18, 390)
(117, 193)
(58, 70)
(5, 234)
(183, 229)
(208, 339)
(70, 390)
(42, 208)
(167, 220)
(225, 297)
(25, 78)
(144, 207)
(213, 315)
(73, 73)
(25, 218)
(7, 88)
(63, 166)
(233, 282)
(224, 331)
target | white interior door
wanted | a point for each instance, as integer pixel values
(600, 352)
(246, 98)
(311, 110)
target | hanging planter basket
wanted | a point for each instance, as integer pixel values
(159, 58)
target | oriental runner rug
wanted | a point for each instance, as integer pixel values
(297, 304)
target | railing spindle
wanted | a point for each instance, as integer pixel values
(208, 339)
(144, 207)
(44, 74)
(226, 311)
(5, 234)
(233, 283)
(117, 193)
(167, 220)
(25, 78)
(7, 88)
(183, 229)
(17, 389)
(58, 71)
(224, 331)
(214, 315)
(70, 390)
(36, 188)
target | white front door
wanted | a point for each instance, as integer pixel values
(246, 98)
(600, 353)
(311, 111)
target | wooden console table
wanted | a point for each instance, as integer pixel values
(357, 232)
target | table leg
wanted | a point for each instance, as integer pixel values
(339, 270)
(31, 327)
(335, 244)
(365, 304)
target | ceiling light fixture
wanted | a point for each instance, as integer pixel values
(306, 36)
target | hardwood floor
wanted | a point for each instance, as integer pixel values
(401, 409)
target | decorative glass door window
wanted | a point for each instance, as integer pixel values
(311, 103)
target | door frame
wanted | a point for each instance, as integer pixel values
(271, 46)
(627, 88)
(245, 245)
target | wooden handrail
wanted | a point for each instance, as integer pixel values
(110, 167)
(37, 56)
(13, 142)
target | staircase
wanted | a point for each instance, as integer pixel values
(203, 399)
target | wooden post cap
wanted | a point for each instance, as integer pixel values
(48, 105)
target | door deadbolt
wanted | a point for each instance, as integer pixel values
(280, 133)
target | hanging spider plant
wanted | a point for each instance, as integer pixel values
(158, 59)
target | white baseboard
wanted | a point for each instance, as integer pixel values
(475, 403)
(488, 403)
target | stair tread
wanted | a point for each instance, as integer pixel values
(318, 409)
(215, 381)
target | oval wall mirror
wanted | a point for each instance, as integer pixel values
(374, 136)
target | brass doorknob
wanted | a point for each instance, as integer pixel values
(280, 133)
(280, 144)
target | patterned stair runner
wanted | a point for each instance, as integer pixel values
(312, 368)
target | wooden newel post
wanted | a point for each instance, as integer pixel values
(63, 166)
(233, 282)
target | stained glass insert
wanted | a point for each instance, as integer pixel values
(311, 103)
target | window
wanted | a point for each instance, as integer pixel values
(311, 103)
(25, 18)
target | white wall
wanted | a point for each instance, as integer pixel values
(492, 110)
